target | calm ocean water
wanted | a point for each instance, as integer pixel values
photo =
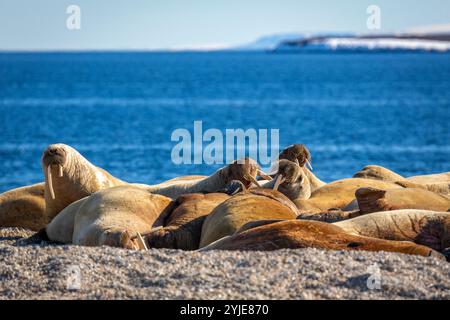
(119, 109)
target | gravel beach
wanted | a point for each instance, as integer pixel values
(31, 269)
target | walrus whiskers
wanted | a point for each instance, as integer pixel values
(50, 183)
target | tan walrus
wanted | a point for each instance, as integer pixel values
(183, 227)
(24, 207)
(250, 205)
(428, 228)
(112, 217)
(439, 183)
(291, 180)
(300, 154)
(374, 200)
(245, 170)
(295, 234)
(338, 194)
(68, 178)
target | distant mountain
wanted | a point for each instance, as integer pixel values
(269, 42)
(439, 42)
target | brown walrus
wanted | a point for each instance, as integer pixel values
(112, 217)
(374, 200)
(183, 227)
(250, 205)
(24, 207)
(295, 234)
(68, 178)
(428, 228)
(338, 194)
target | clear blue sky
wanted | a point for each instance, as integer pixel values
(152, 24)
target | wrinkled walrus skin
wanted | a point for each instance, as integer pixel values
(183, 227)
(428, 228)
(374, 200)
(110, 217)
(295, 234)
(338, 194)
(24, 207)
(254, 204)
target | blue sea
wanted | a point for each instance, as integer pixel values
(119, 109)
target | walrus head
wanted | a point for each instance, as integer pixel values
(292, 181)
(55, 155)
(297, 153)
(244, 170)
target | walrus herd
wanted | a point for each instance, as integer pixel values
(238, 207)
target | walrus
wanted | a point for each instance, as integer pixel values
(113, 217)
(300, 154)
(245, 170)
(246, 206)
(374, 200)
(183, 227)
(338, 194)
(291, 180)
(70, 177)
(378, 173)
(439, 183)
(24, 207)
(295, 234)
(428, 228)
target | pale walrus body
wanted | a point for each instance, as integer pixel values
(427, 228)
(24, 207)
(110, 217)
(183, 227)
(374, 200)
(295, 234)
(251, 205)
(439, 183)
(338, 194)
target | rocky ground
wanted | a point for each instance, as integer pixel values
(31, 269)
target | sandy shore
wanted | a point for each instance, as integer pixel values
(39, 270)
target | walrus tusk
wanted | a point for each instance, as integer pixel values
(309, 165)
(252, 179)
(141, 242)
(279, 179)
(60, 171)
(263, 175)
(50, 183)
